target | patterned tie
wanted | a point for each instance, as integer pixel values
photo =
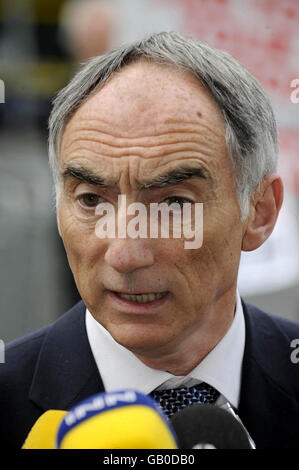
(174, 399)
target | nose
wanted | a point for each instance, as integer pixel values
(127, 255)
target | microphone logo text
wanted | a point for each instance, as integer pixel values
(99, 403)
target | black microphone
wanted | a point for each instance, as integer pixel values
(208, 426)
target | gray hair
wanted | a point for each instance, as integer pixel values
(251, 133)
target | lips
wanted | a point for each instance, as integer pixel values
(145, 303)
(141, 298)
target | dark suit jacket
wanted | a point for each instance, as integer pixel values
(53, 368)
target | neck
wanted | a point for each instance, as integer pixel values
(188, 352)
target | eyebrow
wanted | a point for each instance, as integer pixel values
(176, 176)
(171, 177)
(83, 174)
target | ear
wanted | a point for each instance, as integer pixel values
(265, 206)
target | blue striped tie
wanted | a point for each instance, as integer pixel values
(174, 399)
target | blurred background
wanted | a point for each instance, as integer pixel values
(42, 43)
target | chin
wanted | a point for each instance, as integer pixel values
(139, 340)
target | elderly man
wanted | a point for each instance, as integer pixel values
(164, 120)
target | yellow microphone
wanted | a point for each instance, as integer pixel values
(43, 433)
(125, 419)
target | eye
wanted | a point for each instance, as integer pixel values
(89, 200)
(177, 200)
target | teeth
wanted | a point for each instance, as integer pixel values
(141, 298)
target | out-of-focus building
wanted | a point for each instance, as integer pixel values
(36, 283)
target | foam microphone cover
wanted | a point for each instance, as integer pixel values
(208, 426)
(125, 419)
(43, 433)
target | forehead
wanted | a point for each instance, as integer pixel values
(146, 95)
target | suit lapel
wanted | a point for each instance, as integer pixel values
(66, 372)
(267, 404)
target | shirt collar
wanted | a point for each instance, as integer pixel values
(120, 368)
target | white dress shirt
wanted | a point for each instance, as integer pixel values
(121, 369)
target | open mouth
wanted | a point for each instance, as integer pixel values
(142, 298)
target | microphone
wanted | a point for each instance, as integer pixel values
(208, 426)
(43, 433)
(124, 419)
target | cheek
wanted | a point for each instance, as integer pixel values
(79, 239)
(222, 244)
(217, 261)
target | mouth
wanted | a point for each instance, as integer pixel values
(139, 303)
(142, 298)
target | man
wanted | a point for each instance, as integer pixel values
(171, 120)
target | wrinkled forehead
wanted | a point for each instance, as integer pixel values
(146, 95)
